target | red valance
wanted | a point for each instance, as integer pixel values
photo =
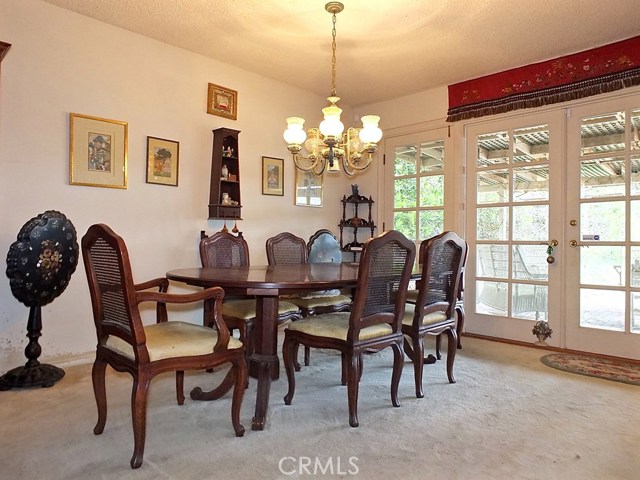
(595, 71)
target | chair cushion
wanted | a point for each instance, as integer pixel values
(173, 339)
(316, 294)
(246, 309)
(336, 325)
(429, 319)
(314, 302)
(412, 296)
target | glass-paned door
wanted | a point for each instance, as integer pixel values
(513, 185)
(415, 173)
(603, 215)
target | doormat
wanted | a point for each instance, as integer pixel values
(615, 370)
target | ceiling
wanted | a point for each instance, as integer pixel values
(385, 48)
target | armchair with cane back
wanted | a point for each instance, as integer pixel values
(145, 351)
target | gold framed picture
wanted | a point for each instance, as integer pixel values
(97, 151)
(308, 191)
(222, 101)
(163, 157)
(272, 176)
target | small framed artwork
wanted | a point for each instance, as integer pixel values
(272, 176)
(308, 191)
(97, 151)
(163, 157)
(222, 101)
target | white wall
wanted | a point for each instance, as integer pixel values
(61, 62)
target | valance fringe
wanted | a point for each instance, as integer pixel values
(548, 96)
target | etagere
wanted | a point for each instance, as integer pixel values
(224, 192)
(355, 199)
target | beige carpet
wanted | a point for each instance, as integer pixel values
(507, 417)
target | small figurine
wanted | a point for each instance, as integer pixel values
(225, 172)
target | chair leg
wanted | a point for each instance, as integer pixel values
(418, 351)
(139, 394)
(353, 383)
(240, 371)
(100, 392)
(460, 324)
(289, 350)
(296, 364)
(452, 341)
(398, 363)
(180, 386)
(307, 356)
(438, 343)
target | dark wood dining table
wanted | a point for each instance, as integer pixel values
(266, 283)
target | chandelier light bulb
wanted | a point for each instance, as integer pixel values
(370, 132)
(295, 134)
(331, 126)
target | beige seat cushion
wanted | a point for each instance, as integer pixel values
(315, 302)
(246, 309)
(336, 325)
(173, 339)
(412, 296)
(429, 319)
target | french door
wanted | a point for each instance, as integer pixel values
(553, 224)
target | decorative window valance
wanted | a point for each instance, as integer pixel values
(599, 70)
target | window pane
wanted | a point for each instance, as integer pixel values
(602, 133)
(432, 191)
(602, 177)
(492, 298)
(493, 186)
(530, 262)
(529, 301)
(493, 148)
(405, 222)
(492, 260)
(602, 309)
(635, 175)
(635, 221)
(602, 221)
(635, 130)
(432, 157)
(635, 268)
(531, 183)
(602, 265)
(493, 223)
(531, 144)
(405, 161)
(405, 192)
(431, 223)
(531, 222)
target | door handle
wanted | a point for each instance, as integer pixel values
(574, 244)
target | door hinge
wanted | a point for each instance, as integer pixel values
(384, 159)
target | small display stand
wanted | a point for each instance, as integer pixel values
(355, 223)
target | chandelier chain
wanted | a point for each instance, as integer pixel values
(333, 57)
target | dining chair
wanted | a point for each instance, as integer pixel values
(373, 323)
(223, 249)
(287, 248)
(144, 351)
(434, 311)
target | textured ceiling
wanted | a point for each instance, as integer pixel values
(385, 48)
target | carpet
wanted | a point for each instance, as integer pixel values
(615, 370)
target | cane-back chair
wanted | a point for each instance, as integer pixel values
(373, 323)
(144, 351)
(434, 311)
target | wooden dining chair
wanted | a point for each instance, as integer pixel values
(374, 322)
(434, 311)
(145, 351)
(223, 249)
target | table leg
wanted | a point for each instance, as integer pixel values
(265, 358)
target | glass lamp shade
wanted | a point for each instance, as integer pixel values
(370, 132)
(295, 134)
(331, 126)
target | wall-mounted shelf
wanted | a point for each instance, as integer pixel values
(224, 191)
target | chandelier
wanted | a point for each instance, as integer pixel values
(328, 146)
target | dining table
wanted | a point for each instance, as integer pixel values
(266, 283)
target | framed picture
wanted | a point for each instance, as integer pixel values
(222, 101)
(308, 191)
(272, 176)
(162, 161)
(97, 151)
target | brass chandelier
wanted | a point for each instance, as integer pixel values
(328, 146)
